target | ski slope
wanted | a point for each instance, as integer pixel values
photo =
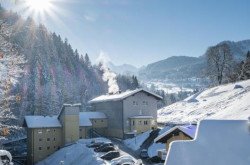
(230, 101)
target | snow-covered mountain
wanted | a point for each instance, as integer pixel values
(175, 67)
(230, 101)
(184, 71)
(125, 69)
(181, 67)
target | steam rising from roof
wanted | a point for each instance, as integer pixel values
(108, 76)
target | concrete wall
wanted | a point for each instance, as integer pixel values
(99, 123)
(141, 125)
(113, 111)
(84, 132)
(139, 104)
(42, 142)
(69, 119)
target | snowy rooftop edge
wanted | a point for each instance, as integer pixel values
(184, 129)
(209, 139)
(121, 96)
(52, 121)
(85, 117)
(42, 121)
(141, 117)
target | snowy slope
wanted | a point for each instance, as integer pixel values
(221, 102)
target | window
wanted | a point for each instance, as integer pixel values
(145, 103)
(48, 139)
(135, 103)
(54, 139)
(102, 121)
(40, 139)
(54, 147)
(40, 131)
(40, 148)
(47, 130)
(133, 123)
(146, 122)
(48, 148)
(140, 122)
(54, 130)
(80, 129)
(80, 137)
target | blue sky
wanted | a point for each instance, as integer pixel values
(139, 32)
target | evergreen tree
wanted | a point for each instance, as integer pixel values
(87, 60)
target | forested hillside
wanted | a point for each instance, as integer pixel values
(50, 72)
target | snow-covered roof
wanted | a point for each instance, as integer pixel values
(85, 117)
(42, 121)
(121, 96)
(189, 130)
(218, 142)
(141, 117)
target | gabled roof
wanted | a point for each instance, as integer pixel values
(53, 121)
(121, 96)
(85, 117)
(42, 121)
(218, 142)
(189, 130)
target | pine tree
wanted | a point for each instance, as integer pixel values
(87, 60)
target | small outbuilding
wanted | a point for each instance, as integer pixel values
(186, 132)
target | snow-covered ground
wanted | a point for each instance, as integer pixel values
(166, 87)
(136, 142)
(221, 102)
